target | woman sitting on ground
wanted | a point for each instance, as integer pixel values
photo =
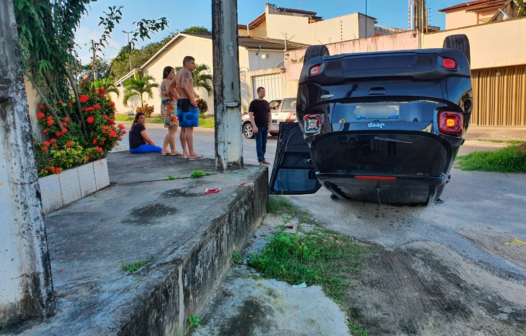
(140, 142)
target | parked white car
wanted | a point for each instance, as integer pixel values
(283, 110)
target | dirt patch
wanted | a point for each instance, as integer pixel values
(251, 315)
(148, 214)
(427, 289)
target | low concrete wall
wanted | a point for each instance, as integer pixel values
(190, 281)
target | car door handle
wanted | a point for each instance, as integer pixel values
(377, 92)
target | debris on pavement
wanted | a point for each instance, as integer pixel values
(209, 191)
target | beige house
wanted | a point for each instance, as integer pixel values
(261, 62)
(478, 12)
(306, 27)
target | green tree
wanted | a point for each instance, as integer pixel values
(202, 77)
(138, 86)
(197, 30)
(101, 67)
(106, 84)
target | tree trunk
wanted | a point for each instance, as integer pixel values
(44, 100)
(25, 280)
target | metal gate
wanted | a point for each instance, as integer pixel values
(272, 85)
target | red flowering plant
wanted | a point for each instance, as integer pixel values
(68, 145)
(147, 110)
(202, 105)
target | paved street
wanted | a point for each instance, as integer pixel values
(204, 143)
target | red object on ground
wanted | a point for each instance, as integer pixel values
(209, 191)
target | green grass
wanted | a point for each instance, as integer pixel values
(511, 159)
(237, 258)
(194, 321)
(148, 120)
(207, 122)
(126, 267)
(277, 205)
(511, 142)
(358, 330)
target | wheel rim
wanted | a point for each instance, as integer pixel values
(248, 131)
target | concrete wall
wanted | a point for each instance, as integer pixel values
(492, 45)
(260, 31)
(400, 41)
(341, 28)
(273, 59)
(462, 18)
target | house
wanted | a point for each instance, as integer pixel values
(306, 27)
(479, 12)
(255, 55)
(263, 44)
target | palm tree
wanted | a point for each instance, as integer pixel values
(138, 86)
(106, 84)
(202, 77)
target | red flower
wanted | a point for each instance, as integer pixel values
(123, 132)
(51, 168)
(69, 105)
(111, 121)
(60, 102)
(69, 144)
(65, 124)
(105, 117)
(67, 119)
(44, 131)
(58, 170)
(121, 126)
(49, 117)
(53, 140)
(83, 98)
(44, 149)
(46, 143)
(94, 141)
(40, 115)
(120, 138)
(100, 149)
(43, 171)
(58, 134)
(96, 106)
(117, 144)
(102, 91)
(113, 134)
(87, 158)
(64, 131)
(50, 122)
(110, 103)
(103, 130)
(41, 106)
(82, 84)
(90, 120)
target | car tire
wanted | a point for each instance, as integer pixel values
(316, 51)
(459, 42)
(248, 131)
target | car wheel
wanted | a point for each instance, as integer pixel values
(316, 51)
(248, 131)
(459, 42)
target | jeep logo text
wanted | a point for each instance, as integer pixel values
(376, 125)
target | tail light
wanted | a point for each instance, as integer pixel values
(312, 123)
(451, 122)
(449, 63)
(315, 70)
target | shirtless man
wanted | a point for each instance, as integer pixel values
(187, 111)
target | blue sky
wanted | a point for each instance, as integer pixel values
(182, 14)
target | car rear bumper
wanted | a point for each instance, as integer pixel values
(400, 167)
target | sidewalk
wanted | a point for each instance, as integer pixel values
(187, 236)
(503, 133)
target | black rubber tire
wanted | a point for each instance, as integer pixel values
(316, 51)
(459, 42)
(333, 196)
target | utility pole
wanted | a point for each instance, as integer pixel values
(25, 277)
(227, 93)
(129, 46)
(93, 66)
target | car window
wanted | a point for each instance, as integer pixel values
(274, 105)
(289, 105)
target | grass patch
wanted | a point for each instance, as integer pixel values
(207, 122)
(127, 267)
(358, 330)
(277, 205)
(237, 259)
(198, 174)
(511, 142)
(511, 159)
(194, 321)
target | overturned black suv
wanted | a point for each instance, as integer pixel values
(377, 127)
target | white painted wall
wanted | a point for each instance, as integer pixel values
(265, 59)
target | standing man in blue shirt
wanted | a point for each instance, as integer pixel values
(260, 118)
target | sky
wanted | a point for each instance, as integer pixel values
(182, 14)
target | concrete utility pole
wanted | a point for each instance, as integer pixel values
(93, 66)
(129, 54)
(26, 287)
(227, 93)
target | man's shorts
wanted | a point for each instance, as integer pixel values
(187, 114)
